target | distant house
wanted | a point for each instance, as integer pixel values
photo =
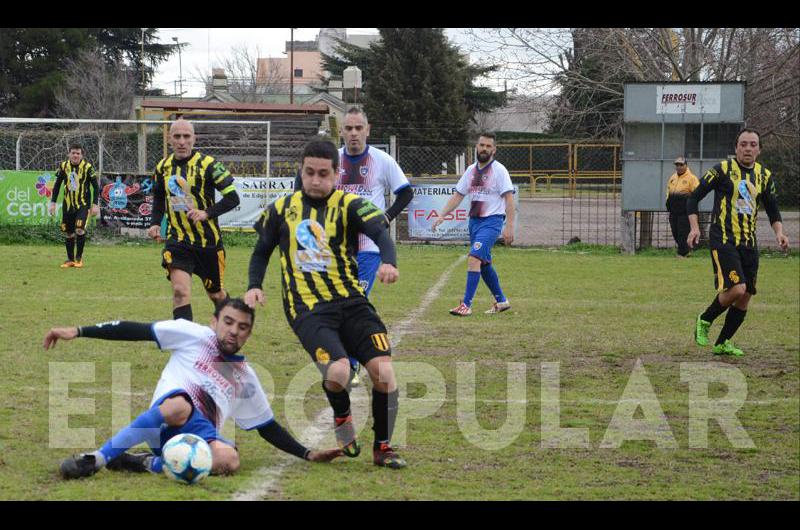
(520, 114)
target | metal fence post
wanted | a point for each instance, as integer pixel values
(19, 143)
(393, 154)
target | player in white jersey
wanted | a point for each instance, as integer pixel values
(372, 174)
(204, 383)
(492, 202)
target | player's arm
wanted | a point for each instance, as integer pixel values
(60, 176)
(402, 198)
(159, 205)
(275, 434)
(223, 182)
(268, 236)
(451, 205)
(116, 330)
(369, 220)
(769, 199)
(707, 183)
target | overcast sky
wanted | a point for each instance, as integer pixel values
(207, 45)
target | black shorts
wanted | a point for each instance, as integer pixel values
(339, 329)
(208, 263)
(74, 219)
(734, 265)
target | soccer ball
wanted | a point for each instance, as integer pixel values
(187, 458)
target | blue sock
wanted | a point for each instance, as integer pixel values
(146, 427)
(353, 364)
(489, 276)
(473, 279)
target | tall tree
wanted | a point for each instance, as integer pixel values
(32, 61)
(416, 85)
(91, 88)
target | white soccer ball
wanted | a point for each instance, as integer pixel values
(187, 458)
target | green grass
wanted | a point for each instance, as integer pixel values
(590, 309)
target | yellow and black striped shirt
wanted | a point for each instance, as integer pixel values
(318, 241)
(181, 185)
(738, 191)
(77, 182)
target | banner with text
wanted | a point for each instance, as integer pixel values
(429, 199)
(688, 99)
(255, 194)
(126, 200)
(25, 196)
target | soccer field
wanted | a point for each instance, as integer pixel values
(591, 336)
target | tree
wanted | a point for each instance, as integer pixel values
(32, 61)
(246, 81)
(91, 88)
(416, 85)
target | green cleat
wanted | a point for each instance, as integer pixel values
(727, 348)
(701, 331)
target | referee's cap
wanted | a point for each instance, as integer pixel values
(680, 160)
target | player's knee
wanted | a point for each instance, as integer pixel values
(181, 294)
(474, 263)
(176, 411)
(738, 290)
(381, 372)
(80, 232)
(743, 301)
(70, 235)
(218, 296)
(337, 374)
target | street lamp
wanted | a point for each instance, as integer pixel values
(180, 65)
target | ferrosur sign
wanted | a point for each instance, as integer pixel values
(688, 99)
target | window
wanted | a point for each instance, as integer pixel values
(298, 72)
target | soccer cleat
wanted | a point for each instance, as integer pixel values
(462, 310)
(67, 264)
(79, 466)
(499, 307)
(133, 462)
(701, 331)
(354, 379)
(346, 436)
(727, 348)
(77, 264)
(386, 457)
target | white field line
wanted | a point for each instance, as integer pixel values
(266, 479)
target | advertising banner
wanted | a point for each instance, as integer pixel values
(255, 194)
(429, 199)
(688, 99)
(126, 200)
(25, 196)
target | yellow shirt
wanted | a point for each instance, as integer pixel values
(682, 184)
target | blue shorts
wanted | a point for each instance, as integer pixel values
(483, 234)
(368, 265)
(197, 424)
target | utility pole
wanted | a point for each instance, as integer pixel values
(291, 66)
(180, 65)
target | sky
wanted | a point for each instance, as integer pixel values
(205, 46)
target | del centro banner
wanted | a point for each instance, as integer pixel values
(25, 197)
(429, 199)
(255, 195)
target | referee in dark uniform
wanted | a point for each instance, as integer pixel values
(80, 183)
(740, 185)
(183, 188)
(316, 229)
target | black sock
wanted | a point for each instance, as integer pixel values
(184, 311)
(81, 241)
(70, 244)
(713, 311)
(340, 402)
(384, 414)
(733, 320)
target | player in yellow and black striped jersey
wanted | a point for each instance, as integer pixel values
(316, 230)
(81, 195)
(740, 185)
(184, 185)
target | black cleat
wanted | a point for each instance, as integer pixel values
(133, 462)
(78, 466)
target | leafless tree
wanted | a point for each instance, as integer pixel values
(546, 61)
(246, 82)
(92, 88)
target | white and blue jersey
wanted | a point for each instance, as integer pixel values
(220, 386)
(486, 188)
(372, 175)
